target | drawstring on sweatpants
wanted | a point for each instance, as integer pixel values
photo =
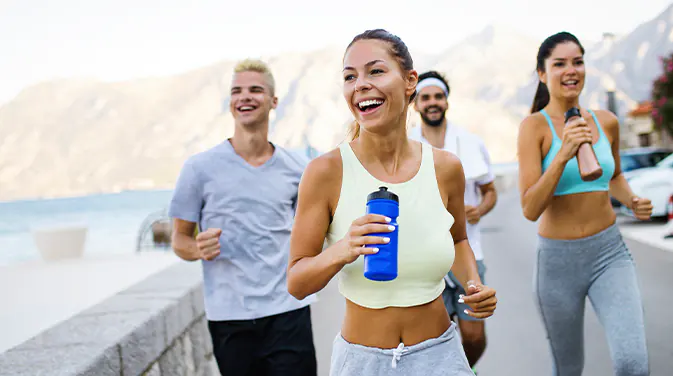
(397, 354)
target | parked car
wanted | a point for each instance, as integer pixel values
(638, 158)
(655, 183)
(633, 161)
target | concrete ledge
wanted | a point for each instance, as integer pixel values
(155, 327)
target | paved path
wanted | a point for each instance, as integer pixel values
(648, 232)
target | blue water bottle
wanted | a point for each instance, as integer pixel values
(382, 266)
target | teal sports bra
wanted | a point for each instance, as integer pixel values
(571, 182)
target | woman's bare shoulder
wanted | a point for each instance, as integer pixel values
(447, 166)
(323, 170)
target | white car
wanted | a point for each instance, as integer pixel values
(655, 183)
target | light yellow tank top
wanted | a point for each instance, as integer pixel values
(425, 245)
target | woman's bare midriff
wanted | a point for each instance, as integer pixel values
(577, 216)
(385, 328)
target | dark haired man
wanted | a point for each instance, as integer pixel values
(432, 103)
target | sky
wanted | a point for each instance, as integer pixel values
(109, 40)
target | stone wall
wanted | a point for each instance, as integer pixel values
(156, 327)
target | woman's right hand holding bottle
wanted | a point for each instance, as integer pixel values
(353, 243)
(575, 133)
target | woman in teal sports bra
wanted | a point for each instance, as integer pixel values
(397, 327)
(580, 250)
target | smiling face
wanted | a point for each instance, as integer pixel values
(375, 87)
(431, 103)
(251, 98)
(564, 71)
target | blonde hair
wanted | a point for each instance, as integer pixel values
(353, 130)
(254, 65)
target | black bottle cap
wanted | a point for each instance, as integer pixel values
(383, 193)
(572, 113)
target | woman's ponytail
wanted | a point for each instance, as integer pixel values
(541, 98)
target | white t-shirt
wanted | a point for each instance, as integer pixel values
(472, 152)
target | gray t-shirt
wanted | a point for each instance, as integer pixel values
(254, 207)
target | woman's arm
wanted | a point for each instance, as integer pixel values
(481, 299)
(619, 187)
(310, 268)
(453, 183)
(536, 188)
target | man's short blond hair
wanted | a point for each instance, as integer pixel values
(254, 65)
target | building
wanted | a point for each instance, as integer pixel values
(640, 129)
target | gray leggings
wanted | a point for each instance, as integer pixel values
(601, 267)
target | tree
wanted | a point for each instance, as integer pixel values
(662, 97)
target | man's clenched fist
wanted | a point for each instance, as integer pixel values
(208, 243)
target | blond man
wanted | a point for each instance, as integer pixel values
(242, 194)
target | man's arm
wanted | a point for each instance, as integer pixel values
(302, 164)
(185, 210)
(489, 195)
(190, 246)
(183, 240)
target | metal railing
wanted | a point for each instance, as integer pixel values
(155, 232)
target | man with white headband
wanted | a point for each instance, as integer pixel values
(480, 195)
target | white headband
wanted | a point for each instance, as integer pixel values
(432, 81)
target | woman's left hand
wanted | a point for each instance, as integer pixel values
(481, 299)
(641, 208)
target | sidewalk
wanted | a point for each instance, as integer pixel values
(650, 233)
(38, 295)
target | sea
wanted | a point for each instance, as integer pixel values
(117, 223)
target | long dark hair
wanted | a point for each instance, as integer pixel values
(541, 98)
(397, 49)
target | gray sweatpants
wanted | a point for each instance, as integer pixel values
(443, 355)
(600, 267)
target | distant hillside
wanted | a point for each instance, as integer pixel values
(73, 137)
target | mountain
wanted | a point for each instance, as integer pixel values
(77, 136)
(633, 60)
